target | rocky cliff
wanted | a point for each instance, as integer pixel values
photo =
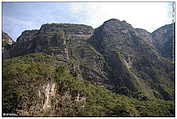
(38, 40)
(164, 39)
(6, 39)
(132, 60)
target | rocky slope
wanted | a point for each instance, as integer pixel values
(116, 58)
(7, 43)
(6, 39)
(164, 39)
(134, 64)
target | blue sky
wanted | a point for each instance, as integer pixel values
(20, 16)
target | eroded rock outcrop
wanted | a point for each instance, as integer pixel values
(6, 39)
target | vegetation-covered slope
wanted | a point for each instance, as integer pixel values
(34, 86)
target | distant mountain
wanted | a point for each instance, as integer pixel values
(75, 70)
(6, 39)
(164, 39)
(7, 43)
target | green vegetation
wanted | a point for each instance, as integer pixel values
(23, 77)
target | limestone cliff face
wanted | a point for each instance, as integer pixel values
(47, 99)
(68, 28)
(44, 94)
(47, 36)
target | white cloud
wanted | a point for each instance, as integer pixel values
(147, 15)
